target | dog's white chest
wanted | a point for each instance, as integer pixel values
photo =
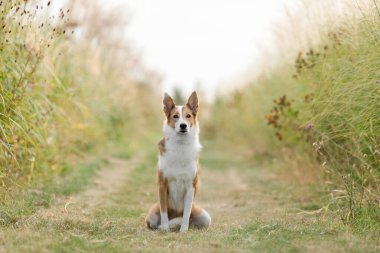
(177, 191)
(179, 166)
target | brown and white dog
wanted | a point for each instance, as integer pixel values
(178, 170)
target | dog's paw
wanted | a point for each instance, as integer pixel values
(164, 227)
(184, 228)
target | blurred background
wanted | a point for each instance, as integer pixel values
(292, 85)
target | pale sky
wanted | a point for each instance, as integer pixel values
(201, 41)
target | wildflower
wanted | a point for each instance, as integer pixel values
(272, 118)
(308, 127)
(279, 136)
(308, 98)
(317, 145)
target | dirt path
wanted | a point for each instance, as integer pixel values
(248, 213)
(234, 199)
(107, 181)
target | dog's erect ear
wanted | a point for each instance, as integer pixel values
(168, 104)
(192, 103)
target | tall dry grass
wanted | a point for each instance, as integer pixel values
(66, 88)
(321, 107)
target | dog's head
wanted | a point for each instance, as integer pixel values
(181, 119)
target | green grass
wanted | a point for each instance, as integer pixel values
(72, 180)
(288, 237)
(252, 220)
(68, 182)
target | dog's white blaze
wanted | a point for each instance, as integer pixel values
(181, 119)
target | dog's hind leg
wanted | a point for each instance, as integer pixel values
(153, 219)
(199, 218)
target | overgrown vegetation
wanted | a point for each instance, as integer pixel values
(324, 108)
(59, 93)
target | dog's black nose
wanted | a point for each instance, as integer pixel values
(182, 126)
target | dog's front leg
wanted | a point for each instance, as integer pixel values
(188, 203)
(163, 195)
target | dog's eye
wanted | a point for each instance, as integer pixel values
(175, 116)
(188, 116)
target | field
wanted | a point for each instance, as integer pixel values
(252, 211)
(290, 160)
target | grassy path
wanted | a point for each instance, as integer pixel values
(252, 211)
